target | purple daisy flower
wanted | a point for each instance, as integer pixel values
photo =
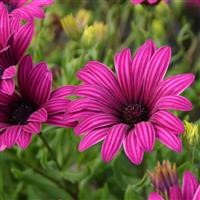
(26, 9)
(14, 40)
(129, 108)
(165, 181)
(33, 103)
(150, 2)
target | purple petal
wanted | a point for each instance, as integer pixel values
(137, 1)
(174, 103)
(32, 127)
(155, 196)
(95, 121)
(38, 116)
(189, 185)
(113, 141)
(9, 72)
(62, 92)
(197, 194)
(39, 84)
(145, 134)
(168, 120)
(175, 193)
(24, 139)
(139, 66)
(123, 61)
(156, 70)
(11, 134)
(92, 138)
(170, 140)
(132, 148)
(7, 86)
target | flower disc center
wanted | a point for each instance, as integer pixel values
(10, 7)
(134, 113)
(20, 113)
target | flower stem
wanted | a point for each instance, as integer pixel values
(50, 150)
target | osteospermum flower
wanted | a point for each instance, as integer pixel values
(130, 107)
(150, 2)
(166, 184)
(22, 114)
(14, 40)
(26, 9)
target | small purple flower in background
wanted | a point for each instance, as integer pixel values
(129, 108)
(22, 114)
(150, 2)
(166, 184)
(26, 9)
(14, 40)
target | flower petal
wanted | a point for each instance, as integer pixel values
(32, 127)
(145, 134)
(92, 138)
(7, 86)
(155, 196)
(113, 141)
(173, 103)
(189, 185)
(24, 139)
(168, 120)
(38, 116)
(197, 194)
(11, 135)
(170, 140)
(9, 72)
(132, 148)
(175, 193)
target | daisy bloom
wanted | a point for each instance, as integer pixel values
(150, 2)
(33, 103)
(165, 181)
(26, 9)
(14, 40)
(129, 107)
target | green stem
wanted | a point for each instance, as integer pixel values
(50, 150)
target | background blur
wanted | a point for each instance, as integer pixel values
(73, 33)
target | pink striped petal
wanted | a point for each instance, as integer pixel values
(139, 66)
(174, 103)
(22, 40)
(39, 84)
(155, 196)
(11, 135)
(156, 70)
(25, 67)
(9, 72)
(137, 1)
(7, 86)
(132, 148)
(95, 121)
(175, 193)
(145, 135)
(62, 92)
(168, 120)
(123, 61)
(170, 140)
(92, 138)
(24, 139)
(197, 194)
(4, 25)
(113, 141)
(32, 127)
(38, 116)
(59, 120)
(189, 185)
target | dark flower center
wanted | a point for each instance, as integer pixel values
(20, 113)
(134, 113)
(147, 3)
(1, 71)
(10, 7)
